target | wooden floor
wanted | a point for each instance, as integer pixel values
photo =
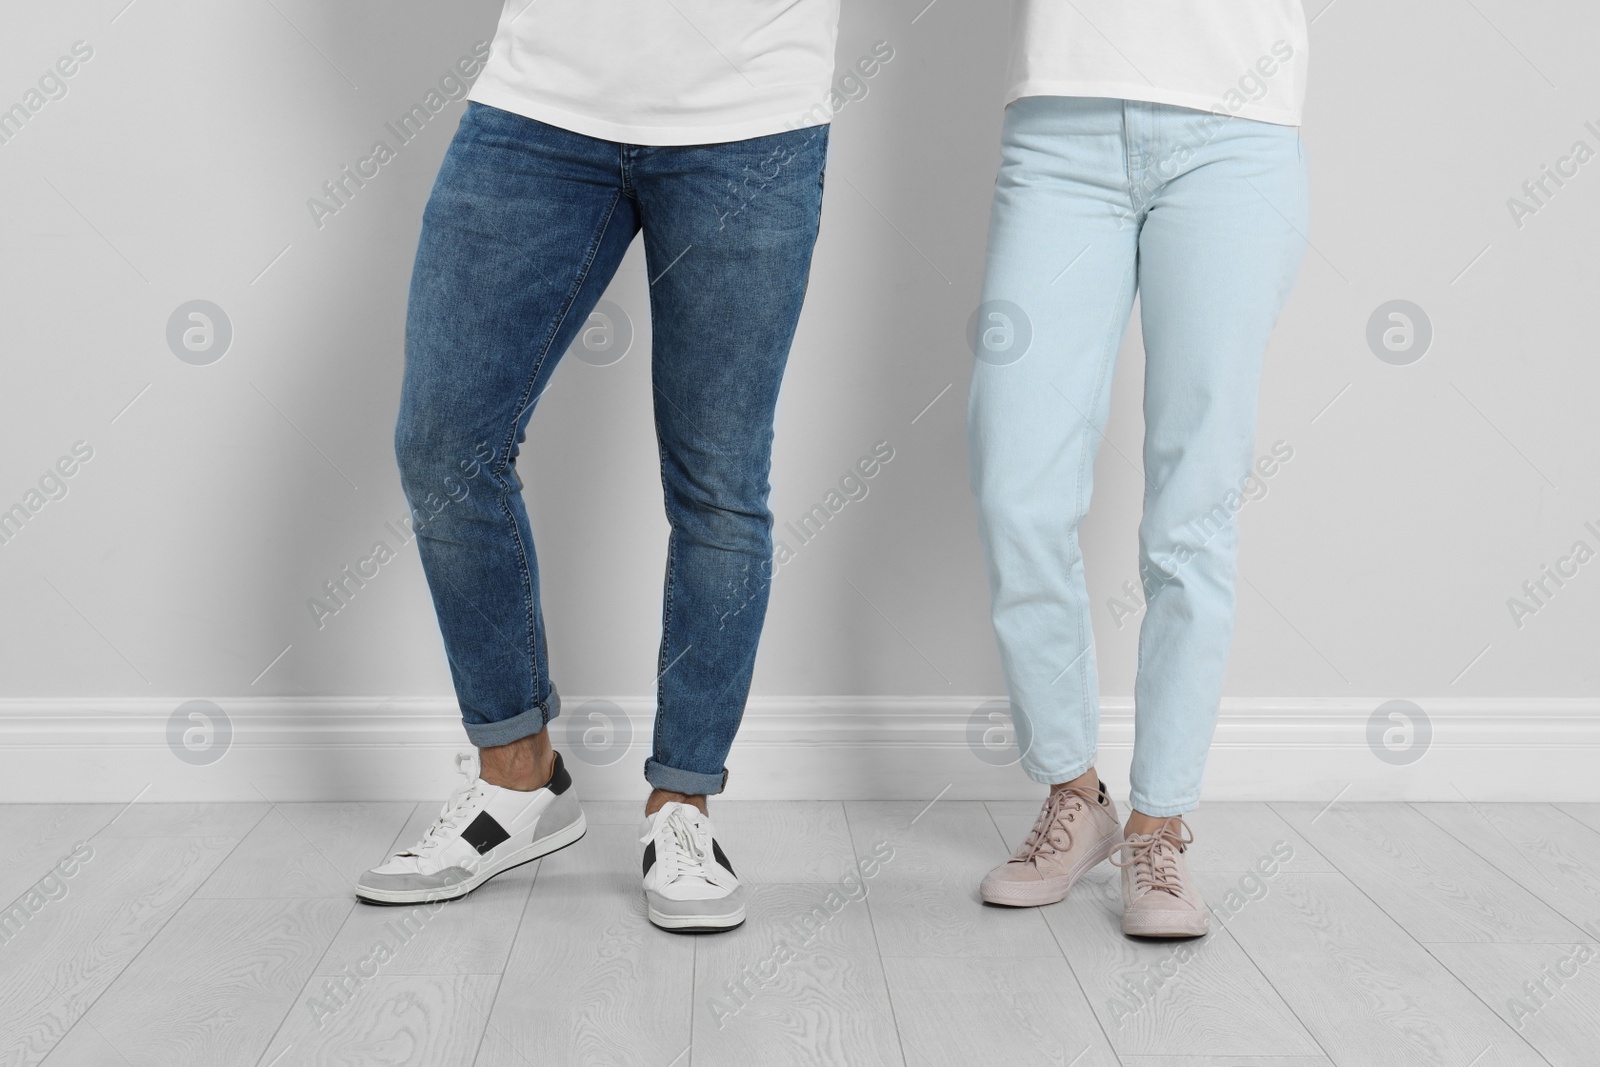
(1453, 935)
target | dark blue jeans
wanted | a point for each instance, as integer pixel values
(524, 229)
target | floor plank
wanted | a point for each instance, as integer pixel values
(71, 949)
(924, 898)
(309, 850)
(40, 835)
(1240, 837)
(142, 819)
(1588, 814)
(799, 983)
(1557, 1013)
(210, 989)
(387, 1021)
(1546, 851)
(1431, 884)
(589, 980)
(1024, 1011)
(1364, 990)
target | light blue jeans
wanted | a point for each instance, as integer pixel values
(1203, 216)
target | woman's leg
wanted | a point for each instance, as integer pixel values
(1057, 294)
(1058, 291)
(1219, 248)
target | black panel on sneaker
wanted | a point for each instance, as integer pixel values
(649, 857)
(721, 857)
(484, 833)
(560, 780)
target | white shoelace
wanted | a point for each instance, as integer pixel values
(686, 844)
(454, 810)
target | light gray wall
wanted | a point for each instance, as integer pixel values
(178, 165)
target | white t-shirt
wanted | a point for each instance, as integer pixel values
(1235, 57)
(664, 72)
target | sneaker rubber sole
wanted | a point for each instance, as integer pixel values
(1160, 923)
(697, 924)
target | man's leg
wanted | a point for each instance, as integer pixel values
(729, 231)
(525, 227)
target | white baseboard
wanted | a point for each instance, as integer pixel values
(851, 748)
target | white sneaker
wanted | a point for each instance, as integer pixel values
(482, 830)
(688, 883)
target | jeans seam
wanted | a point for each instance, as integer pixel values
(1128, 160)
(666, 639)
(1081, 506)
(530, 600)
(666, 596)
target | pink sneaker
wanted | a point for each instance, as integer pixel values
(1076, 829)
(1158, 895)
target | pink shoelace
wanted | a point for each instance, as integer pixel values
(1050, 833)
(1154, 857)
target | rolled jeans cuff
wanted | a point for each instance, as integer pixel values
(689, 783)
(1145, 806)
(530, 722)
(1044, 777)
